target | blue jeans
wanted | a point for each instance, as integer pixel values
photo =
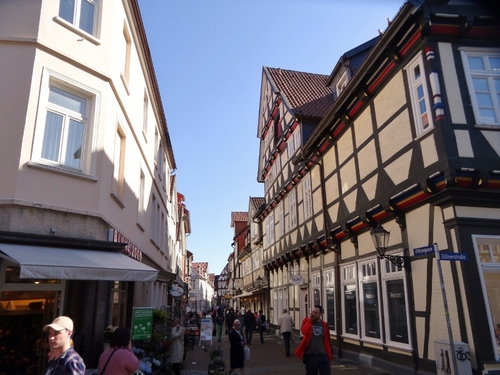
(317, 363)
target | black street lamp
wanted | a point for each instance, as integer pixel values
(258, 281)
(380, 238)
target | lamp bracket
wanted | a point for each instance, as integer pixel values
(397, 260)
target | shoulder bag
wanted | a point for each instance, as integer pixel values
(104, 368)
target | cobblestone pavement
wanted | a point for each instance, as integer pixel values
(267, 358)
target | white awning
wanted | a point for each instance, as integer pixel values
(40, 262)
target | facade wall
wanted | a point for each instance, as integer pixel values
(119, 179)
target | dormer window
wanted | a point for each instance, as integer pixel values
(341, 84)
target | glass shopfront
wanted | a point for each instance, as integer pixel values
(26, 305)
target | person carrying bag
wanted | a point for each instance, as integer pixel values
(261, 325)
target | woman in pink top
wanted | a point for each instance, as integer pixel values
(118, 359)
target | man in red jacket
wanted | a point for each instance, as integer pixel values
(315, 348)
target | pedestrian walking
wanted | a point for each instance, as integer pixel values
(261, 325)
(177, 346)
(286, 324)
(118, 359)
(63, 359)
(219, 323)
(249, 323)
(315, 349)
(230, 316)
(236, 352)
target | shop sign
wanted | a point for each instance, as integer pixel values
(142, 323)
(176, 291)
(130, 250)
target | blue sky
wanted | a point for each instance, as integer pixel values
(208, 57)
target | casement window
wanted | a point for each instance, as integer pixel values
(482, 71)
(419, 93)
(294, 142)
(119, 164)
(316, 288)
(307, 196)
(82, 14)
(329, 280)
(281, 220)
(141, 203)
(66, 123)
(271, 228)
(145, 120)
(369, 300)
(487, 250)
(349, 300)
(397, 327)
(292, 204)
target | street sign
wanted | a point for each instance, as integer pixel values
(423, 250)
(454, 256)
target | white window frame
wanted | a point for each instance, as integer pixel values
(342, 83)
(415, 85)
(368, 274)
(292, 203)
(281, 218)
(141, 202)
(272, 237)
(487, 267)
(90, 121)
(74, 24)
(329, 283)
(307, 196)
(118, 185)
(490, 75)
(349, 279)
(391, 272)
(316, 289)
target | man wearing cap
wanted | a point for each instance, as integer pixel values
(63, 358)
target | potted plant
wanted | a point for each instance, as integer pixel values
(108, 335)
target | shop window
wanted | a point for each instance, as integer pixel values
(329, 275)
(369, 300)
(396, 302)
(119, 310)
(349, 300)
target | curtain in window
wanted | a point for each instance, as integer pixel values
(52, 136)
(74, 144)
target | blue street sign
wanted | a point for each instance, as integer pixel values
(423, 250)
(454, 256)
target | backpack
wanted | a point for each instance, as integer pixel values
(261, 319)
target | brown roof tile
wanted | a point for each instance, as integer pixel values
(238, 216)
(307, 93)
(257, 202)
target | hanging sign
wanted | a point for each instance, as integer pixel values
(176, 291)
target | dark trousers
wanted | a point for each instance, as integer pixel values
(286, 340)
(262, 328)
(317, 363)
(177, 368)
(248, 334)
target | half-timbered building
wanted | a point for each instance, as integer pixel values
(408, 144)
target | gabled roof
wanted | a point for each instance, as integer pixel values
(257, 202)
(307, 93)
(238, 216)
(353, 58)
